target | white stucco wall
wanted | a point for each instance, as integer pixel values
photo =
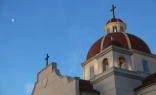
(56, 84)
(109, 56)
(116, 81)
(127, 63)
(126, 85)
(150, 90)
(87, 69)
(137, 62)
(106, 86)
(113, 60)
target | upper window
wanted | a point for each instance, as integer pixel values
(105, 64)
(108, 30)
(145, 66)
(121, 61)
(114, 28)
(121, 29)
(91, 71)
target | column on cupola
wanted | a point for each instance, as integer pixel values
(118, 28)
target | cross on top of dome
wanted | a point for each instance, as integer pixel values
(113, 10)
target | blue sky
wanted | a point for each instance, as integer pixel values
(65, 29)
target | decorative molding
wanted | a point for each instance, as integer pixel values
(128, 40)
(105, 51)
(115, 23)
(145, 87)
(143, 53)
(114, 48)
(103, 39)
(116, 71)
(87, 61)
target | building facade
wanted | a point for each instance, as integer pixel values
(118, 63)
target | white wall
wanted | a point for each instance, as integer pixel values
(128, 62)
(126, 85)
(56, 84)
(109, 56)
(106, 86)
(116, 81)
(150, 90)
(87, 69)
(137, 62)
(113, 60)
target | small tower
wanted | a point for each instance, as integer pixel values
(114, 24)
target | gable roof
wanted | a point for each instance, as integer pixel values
(151, 79)
(86, 86)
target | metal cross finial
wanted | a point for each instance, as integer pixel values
(113, 8)
(47, 56)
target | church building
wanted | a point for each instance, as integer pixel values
(118, 63)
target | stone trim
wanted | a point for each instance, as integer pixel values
(87, 61)
(145, 87)
(128, 40)
(114, 48)
(143, 53)
(105, 51)
(115, 23)
(103, 39)
(116, 71)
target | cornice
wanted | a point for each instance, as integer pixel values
(115, 23)
(145, 87)
(105, 51)
(143, 53)
(87, 61)
(116, 71)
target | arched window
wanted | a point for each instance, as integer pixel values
(114, 28)
(105, 64)
(121, 61)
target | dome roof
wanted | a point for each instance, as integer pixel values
(116, 43)
(114, 20)
(120, 40)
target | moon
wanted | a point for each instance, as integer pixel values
(13, 20)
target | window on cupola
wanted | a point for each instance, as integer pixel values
(114, 28)
(105, 64)
(145, 65)
(121, 29)
(92, 72)
(108, 30)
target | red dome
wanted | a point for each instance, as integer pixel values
(119, 39)
(114, 20)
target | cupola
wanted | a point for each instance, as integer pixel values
(114, 24)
